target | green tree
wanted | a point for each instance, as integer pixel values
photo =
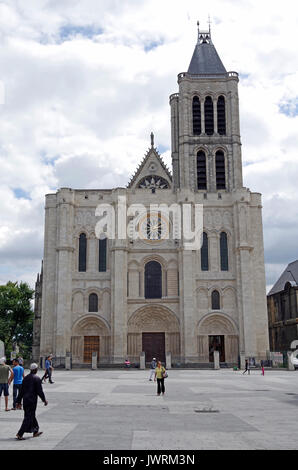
(16, 316)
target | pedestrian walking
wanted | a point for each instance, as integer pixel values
(262, 367)
(18, 376)
(160, 373)
(152, 369)
(247, 369)
(48, 369)
(6, 376)
(31, 389)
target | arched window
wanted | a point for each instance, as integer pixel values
(93, 303)
(221, 115)
(102, 250)
(220, 170)
(209, 117)
(153, 280)
(205, 253)
(196, 116)
(215, 300)
(82, 252)
(201, 170)
(224, 255)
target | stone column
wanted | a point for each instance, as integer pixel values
(64, 269)
(187, 300)
(202, 117)
(215, 116)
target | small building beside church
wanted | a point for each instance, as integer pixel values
(123, 296)
(282, 303)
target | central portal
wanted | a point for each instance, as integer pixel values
(153, 344)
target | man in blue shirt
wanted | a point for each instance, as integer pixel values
(49, 368)
(18, 375)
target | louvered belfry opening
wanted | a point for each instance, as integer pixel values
(201, 170)
(196, 116)
(221, 115)
(209, 117)
(220, 170)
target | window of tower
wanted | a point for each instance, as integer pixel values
(220, 170)
(153, 280)
(196, 116)
(82, 252)
(201, 170)
(224, 255)
(205, 253)
(215, 300)
(221, 115)
(102, 250)
(209, 117)
(93, 303)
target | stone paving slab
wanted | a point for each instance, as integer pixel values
(202, 409)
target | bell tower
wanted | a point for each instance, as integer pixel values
(206, 145)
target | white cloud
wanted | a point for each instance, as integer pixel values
(87, 82)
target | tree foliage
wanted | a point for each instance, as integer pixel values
(16, 316)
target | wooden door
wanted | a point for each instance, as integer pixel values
(91, 344)
(153, 344)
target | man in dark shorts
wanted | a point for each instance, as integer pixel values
(6, 377)
(30, 391)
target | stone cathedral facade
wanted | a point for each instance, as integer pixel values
(121, 297)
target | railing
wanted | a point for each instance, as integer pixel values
(231, 74)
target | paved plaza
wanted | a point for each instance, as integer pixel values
(202, 409)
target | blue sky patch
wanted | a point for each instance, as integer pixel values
(149, 46)
(68, 31)
(21, 194)
(289, 107)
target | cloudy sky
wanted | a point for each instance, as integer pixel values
(84, 82)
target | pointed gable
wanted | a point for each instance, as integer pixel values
(151, 173)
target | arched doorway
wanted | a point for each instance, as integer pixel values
(217, 332)
(155, 330)
(90, 334)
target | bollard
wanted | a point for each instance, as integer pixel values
(216, 360)
(94, 360)
(142, 361)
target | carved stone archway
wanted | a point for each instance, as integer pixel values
(218, 324)
(153, 319)
(90, 326)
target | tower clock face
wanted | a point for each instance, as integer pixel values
(153, 227)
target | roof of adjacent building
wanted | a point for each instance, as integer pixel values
(290, 275)
(205, 59)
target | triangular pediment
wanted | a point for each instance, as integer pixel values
(151, 173)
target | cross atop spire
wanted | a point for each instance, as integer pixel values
(204, 36)
(152, 139)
